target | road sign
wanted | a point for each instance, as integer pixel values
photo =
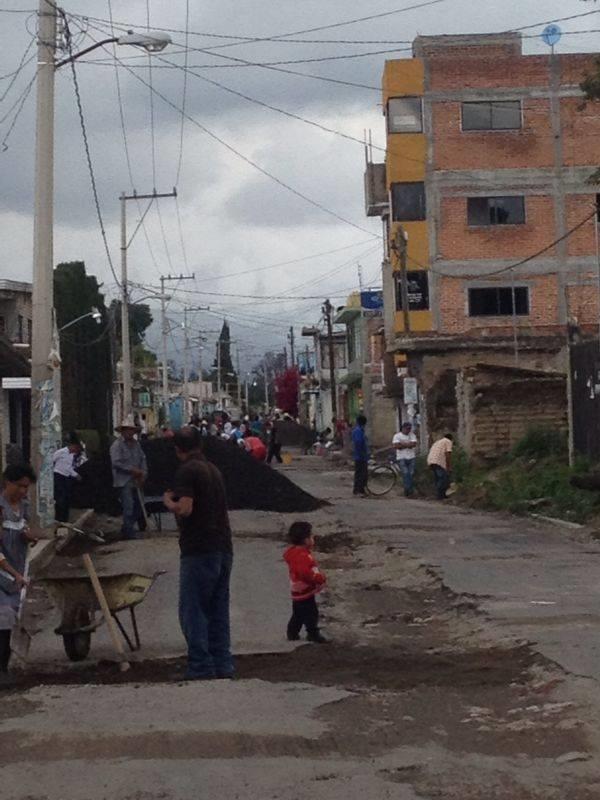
(552, 35)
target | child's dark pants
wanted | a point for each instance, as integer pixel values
(4, 650)
(304, 612)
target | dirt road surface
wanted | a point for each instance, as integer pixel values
(464, 666)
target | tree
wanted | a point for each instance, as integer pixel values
(85, 350)
(228, 374)
(287, 385)
(140, 319)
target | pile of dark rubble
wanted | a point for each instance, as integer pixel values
(249, 483)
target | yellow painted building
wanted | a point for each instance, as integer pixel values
(403, 89)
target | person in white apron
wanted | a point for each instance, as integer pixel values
(15, 537)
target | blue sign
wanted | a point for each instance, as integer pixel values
(552, 35)
(372, 300)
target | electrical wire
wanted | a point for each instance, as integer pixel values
(18, 112)
(86, 145)
(278, 37)
(251, 162)
(126, 144)
(24, 61)
(181, 237)
(183, 99)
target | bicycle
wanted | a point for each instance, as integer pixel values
(382, 478)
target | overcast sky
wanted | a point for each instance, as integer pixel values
(233, 217)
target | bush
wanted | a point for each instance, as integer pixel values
(541, 443)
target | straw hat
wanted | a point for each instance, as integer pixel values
(127, 423)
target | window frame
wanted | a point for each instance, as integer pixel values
(490, 103)
(498, 313)
(388, 115)
(393, 204)
(491, 224)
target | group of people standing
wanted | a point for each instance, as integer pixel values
(405, 444)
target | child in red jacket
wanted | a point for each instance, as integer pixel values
(306, 581)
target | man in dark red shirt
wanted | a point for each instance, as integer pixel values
(198, 500)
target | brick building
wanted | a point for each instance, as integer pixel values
(489, 156)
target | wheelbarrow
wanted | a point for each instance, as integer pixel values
(77, 600)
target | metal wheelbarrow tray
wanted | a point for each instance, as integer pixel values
(74, 596)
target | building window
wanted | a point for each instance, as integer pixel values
(417, 287)
(495, 211)
(494, 115)
(408, 202)
(2, 326)
(29, 331)
(19, 328)
(497, 301)
(405, 115)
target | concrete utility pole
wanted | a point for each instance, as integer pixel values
(327, 311)
(292, 341)
(186, 355)
(45, 413)
(266, 372)
(401, 248)
(165, 333)
(125, 342)
(239, 377)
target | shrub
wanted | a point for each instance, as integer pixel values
(541, 442)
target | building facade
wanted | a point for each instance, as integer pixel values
(490, 218)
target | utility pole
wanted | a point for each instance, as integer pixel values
(125, 343)
(45, 426)
(266, 388)
(239, 377)
(165, 333)
(327, 310)
(291, 339)
(186, 356)
(401, 248)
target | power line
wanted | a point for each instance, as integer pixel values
(183, 94)
(522, 261)
(126, 144)
(549, 21)
(249, 161)
(21, 106)
(254, 39)
(87, 149)
(214, 278)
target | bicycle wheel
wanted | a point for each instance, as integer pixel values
(382, 480)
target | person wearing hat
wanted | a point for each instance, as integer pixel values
(65, 463)
(129, 469)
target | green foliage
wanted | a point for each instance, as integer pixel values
(140, 319)
(534, 478)
(541, 442)
(85, 350)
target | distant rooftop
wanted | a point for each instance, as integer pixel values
(510, 41)
(7, 285)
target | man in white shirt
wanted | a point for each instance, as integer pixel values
(405, 443)
(440, 462)
(65, 463)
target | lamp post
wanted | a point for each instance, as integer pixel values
(45, 361)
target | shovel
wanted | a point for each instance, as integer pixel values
(20, 641)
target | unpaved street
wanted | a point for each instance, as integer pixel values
(464, 666)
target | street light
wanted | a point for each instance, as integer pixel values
(94, 314)
(45, 366)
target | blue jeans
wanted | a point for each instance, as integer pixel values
(204, 613)
(407, 467)
(130, 503)
(441, 478)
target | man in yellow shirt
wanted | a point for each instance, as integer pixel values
(440, 462)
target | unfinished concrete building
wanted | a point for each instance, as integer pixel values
(487, 180)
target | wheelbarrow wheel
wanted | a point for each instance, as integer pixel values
(77, 645)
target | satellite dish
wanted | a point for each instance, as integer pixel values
(552, 35)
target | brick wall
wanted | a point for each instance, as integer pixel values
(497, 409)
(459, 241)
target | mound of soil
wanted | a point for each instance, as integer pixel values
(249, 483)
(291, 434)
